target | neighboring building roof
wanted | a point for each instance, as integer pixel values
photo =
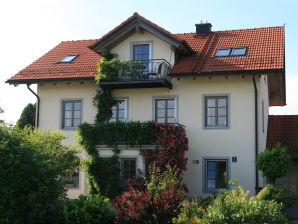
(47, 67)
(284, 129)
(265, 54)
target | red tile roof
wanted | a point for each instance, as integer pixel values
(284, 129)
(48, 66)
(265, 52)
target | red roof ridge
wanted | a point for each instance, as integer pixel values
(78, 40)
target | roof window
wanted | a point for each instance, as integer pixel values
(68, 58)
(229, 52)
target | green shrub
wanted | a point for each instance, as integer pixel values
(274, 163)
(88, 210)
(235, 207)
(280, 195)
(27, 117)
(30, 163)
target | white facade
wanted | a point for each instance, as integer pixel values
(237, 140)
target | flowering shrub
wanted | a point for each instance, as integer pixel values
(157, 201)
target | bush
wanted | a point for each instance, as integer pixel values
(274, 163)
(30, 165)
(88, 210)
(280, 195)
(157, 201)
(191, 213)
(235, 206)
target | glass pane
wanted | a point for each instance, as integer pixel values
(239, 51)
(145, 58)
(161, 104)
(171, 112)
(67, 122)
(121, 113)
(211, 184)
(222, 111)
(211, 112)
(68, 106)
(145, 49)
(67, 114)
(77, 114)
(211, 165)
(137, 49)
(171, 120)
(210, 121)
(211, 175)
(210, 102)
(171, 103)
(76, 122)
(121, 104)
(223, 52)
(114, 114)
(222, 102)
(160, 120)
(221, 184)
(77, 106)
(221, 174)
(138, 57)
(222, 121)
(161, 113)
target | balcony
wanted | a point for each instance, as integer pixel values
(141, 74)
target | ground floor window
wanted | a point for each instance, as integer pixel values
(128, 169)
(72, 180)
(216, 174)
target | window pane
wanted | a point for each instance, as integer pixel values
(121, 113)
(211, 111)
(222, 111)
(114, 114)
(171, 112)
(161, 103)
(211, 184)
(129, 168)
(77, 114)
(211, 165)
(138, 49)
(171, 103)
(68, 106)
(221, 174)
(223, 52)
(145, 49)
(222, 102)
(211, 175)
(77, 106)
(239, 51)
(161, 113)
(121, 104)
(210, 102)
(222, 121)
(67, 122)
(171, 120)
(67, 114)
(210, 121)
(76, 122)
(160, 120)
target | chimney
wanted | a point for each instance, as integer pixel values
(203, 28)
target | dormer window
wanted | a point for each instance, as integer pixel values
(230, 52)
(68, 58)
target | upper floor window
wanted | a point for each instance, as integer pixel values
(233, 51)
(216, 111)
(119, 110)
(68, 58)
(141, 52)
(71, 113)
(166, 110)
(216, 174)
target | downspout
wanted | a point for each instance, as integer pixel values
(256, 133)
(38, 103)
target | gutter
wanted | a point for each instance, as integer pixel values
(38, 103)
(256, 133)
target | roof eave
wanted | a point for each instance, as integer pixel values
(34, 81)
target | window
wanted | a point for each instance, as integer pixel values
(68, 58)
(71, 113)
(223, 52)
(216, 174)
(166, 110)
(119, 110)
(227, 52)
(72, 180)
(141, 52)
(128, 168)
(216, 112)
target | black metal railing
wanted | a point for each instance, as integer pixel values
(154, 69)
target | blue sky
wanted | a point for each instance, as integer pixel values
(30, 28)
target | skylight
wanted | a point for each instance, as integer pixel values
(68, 58)
(229, 52)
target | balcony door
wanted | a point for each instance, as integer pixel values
(141, 53)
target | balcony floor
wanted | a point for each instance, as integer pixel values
(136, 84)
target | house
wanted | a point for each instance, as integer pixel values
(218, 84)
(284, 129)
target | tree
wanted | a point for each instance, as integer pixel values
(31, 162)
(274, 163)
(28, 116)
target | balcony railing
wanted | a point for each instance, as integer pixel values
(142, 74)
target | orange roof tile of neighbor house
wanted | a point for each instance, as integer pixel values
(265, 52)
(284, 129)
